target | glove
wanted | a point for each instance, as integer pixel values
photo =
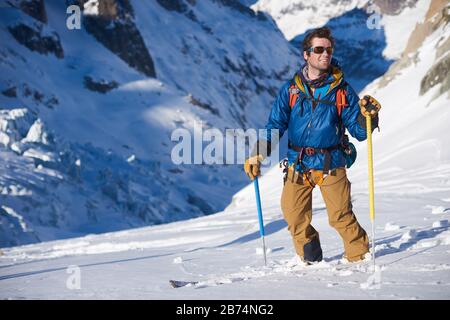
(252, 166)
(369, 106)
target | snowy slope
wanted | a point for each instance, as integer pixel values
(222, 251)
(106, 165)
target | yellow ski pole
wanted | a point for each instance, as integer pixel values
(371, 185)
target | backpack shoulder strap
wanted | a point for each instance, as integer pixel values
(293, 95)
(341, 99)
(295, 89)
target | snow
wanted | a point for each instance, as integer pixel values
(437, 209)
(38, 154)
(91, 7)
(4, 139)
(17, 216)
(410, 234)
(391, 227)
(112, 149)
(398, 27)
(260, 251)
(440, 224)
(36, 133)
(294, 17)
(223, 252)
(374, 281)
(16, 191)
(178, 260)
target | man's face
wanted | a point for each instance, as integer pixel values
(320, 61)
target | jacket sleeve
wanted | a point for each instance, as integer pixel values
(352, 118)
(280, 113)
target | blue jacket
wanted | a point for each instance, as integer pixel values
(318, 128)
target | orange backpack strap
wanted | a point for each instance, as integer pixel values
(341, 100)
(293, 95)
(295, 89)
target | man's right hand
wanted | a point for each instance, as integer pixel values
(252, 166)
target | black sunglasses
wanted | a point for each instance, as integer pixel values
(320, 50)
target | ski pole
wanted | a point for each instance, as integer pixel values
(371, 185)
(260, 217)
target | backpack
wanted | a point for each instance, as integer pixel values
(348, 149)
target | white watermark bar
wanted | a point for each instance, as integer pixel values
(220, 147)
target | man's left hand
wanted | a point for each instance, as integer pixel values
(369, 106)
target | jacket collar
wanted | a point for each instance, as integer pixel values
(335, 78)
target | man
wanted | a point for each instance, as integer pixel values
(316, 107)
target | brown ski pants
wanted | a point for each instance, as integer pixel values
(296, 204)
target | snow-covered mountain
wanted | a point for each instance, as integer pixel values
(222, 251)
(415, 93)
(370, 35)
(397, 18)
(358, 48)
(87, 114)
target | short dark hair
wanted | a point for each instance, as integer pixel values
(323, 32)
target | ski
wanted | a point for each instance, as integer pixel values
(180, 284)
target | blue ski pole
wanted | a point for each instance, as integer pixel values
(260, 217)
